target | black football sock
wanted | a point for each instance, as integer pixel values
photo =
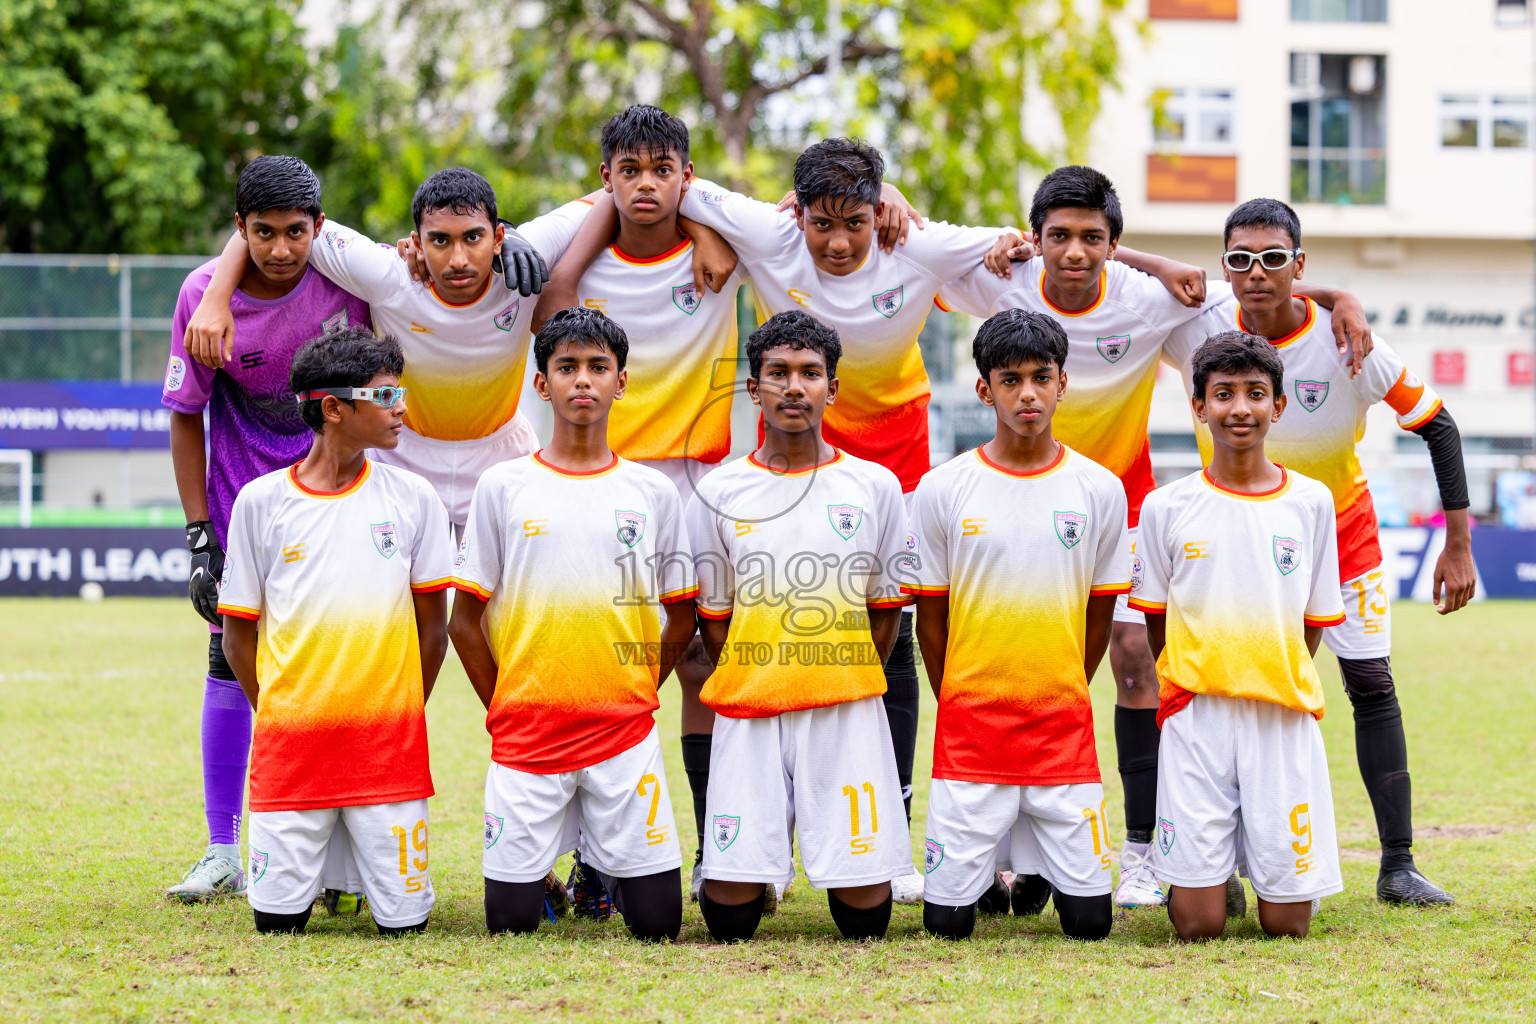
(515, 907)
(1084, 917)
(404, 929)
(859, 923)
(1382, 751)
(1136, 739)
(696, 748)
(901, 706)
(731, 922)
(653, 905)
(293, 923)
(951, 923)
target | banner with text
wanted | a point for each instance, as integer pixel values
(82, 414)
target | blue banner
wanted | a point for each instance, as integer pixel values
(56, 561)
(45, 414)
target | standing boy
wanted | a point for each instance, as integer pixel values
(335, 623)
(1240, 578)
(797, 546)
(1021, 546)
(254, 428)
(1264, 261)
(580, 561)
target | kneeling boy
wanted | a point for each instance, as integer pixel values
(1241, 578)
(580, 563)
(1022, 549)
(797, 546)
(334, 610)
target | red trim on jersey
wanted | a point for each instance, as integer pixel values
(538, 457)
(714, 616)
(1174, 699)
(293, 478)
(1332, 620)
(1061, 456)
(686, 594)
(1273, 492)
(647, 261)
(1306, 325)
(1103, 290)
(458, 305)
(240, 613)
(917, 591)
(432, 586)
(1429, 415)
(470, 588)
(886, 602)
(837, 456)
(940, 303)
(1110, 588)
(1147, 607)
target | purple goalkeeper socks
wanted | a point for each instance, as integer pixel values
(226, 749)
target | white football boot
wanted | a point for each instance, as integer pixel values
(1138, 886)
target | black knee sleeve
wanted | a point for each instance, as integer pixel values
(1084, 917)
(293, 923)
(696, 751)
(860, 923)
(901, 706)
(653, 905)
(951, 923)
(1029, 894)
(1364, 677)
(515, 907)
(1136, 740)
(1381, 749)
(731, 922)
(218, 665)
(404, 929)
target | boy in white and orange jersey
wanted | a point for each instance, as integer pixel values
(577, 597)
(1264, 260)
(1020, 543)
(797, 548)
(1240, 578)
(339, 675)
(1117, 320)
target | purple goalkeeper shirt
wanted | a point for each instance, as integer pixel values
(253, 422)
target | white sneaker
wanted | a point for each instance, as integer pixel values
(1138, 886)
(213, 875)
(908, 889)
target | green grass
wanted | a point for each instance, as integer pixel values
(100, 808)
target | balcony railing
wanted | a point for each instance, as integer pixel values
(1338, 175)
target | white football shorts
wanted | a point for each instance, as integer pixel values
(1235, 774)
(619, 806)
(1366, 631)
(828, 774)
(376, 849)
(1059, 832)
(1123, 610)
(454, 467)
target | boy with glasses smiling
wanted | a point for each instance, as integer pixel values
(1264, 261)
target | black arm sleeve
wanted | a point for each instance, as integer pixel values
(1444, 442)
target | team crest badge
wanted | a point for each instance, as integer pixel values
(888, 304)
(384, 539)
(507, 317)
(933, 855)
(724, 830)
(493, 826)
(845, 519)
(258, 865)
(631, 526)
(337, 321)
(1287, 554)
(685, 298)
(1069, 528)
(1165, 835)
(1311, 394)
(1114, 347)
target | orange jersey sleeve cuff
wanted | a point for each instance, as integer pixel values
(470, 588)
(1105, 589)
(431, 586)
(1431, 413)
(686, 594)
(914, 590)
(716, 616)
(1148, 607)
(238, 612)
(886, 602)
(1333, 620)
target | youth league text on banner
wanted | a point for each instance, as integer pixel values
(39, 415)
(56, 561)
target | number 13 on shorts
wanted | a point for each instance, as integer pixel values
(857, 843)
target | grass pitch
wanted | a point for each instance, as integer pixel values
(100, 808)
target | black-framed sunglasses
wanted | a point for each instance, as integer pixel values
(387, 397)
(1240, 261)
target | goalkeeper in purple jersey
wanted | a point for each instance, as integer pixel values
(253, 429)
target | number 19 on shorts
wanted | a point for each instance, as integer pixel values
(417, 838)
(858, 843)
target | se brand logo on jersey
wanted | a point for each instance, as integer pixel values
(493, 826)
(601, 305)
(175, 373)
(1114, 347)
(889, 303)
(1069, 528)
(535, 527)
(295, 553)
(845, 519)
(507, 317)
(631, 526)
(258, 865)
(933, 855)
(724, 830)
(685, 298)
(1311, 394)
(384, 539)
(801, 298)
(743, 528)
(1197, 549)
(1287, 554)
(973, 527)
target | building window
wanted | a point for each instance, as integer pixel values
(1195, 121)
(1511, 12)
(1338, 10)
(1469, 121)
(1338, 128)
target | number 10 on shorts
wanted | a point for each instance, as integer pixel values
(418, 840)
(861, 844)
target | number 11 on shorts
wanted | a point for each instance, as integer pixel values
(861, 844)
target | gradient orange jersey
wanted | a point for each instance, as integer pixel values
(1239, 577)
(1112, 354)
(1324, 416)
(795, 560)
(329, 577)
(878, 311)
(1018, 555)
(575, 568)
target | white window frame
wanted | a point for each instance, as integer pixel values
(1485, 108)
(1190, 102)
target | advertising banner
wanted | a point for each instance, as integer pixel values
(40, 415)
(56, 561)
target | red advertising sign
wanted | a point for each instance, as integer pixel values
(1450, 367)
(1522, 369)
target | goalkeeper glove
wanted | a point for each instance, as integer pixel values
(520, 263)
(207, 567)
